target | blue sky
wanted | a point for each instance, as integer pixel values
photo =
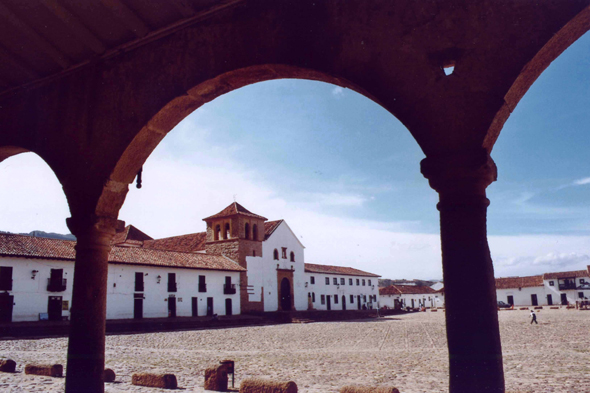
(345, 175)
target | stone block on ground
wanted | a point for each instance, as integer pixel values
(258, 385)
(368, 389)
(108, 375)
(49, 370)
(216, 378)
(7, 365)
(164, 381)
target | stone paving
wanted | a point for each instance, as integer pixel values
(407, 351)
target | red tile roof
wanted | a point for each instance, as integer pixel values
(184, 243)
(405, 289)
(232, 210)
(519, 282)
(345, 271)
(130, 233)
(270, 226)
(36, 247)
(572, 274)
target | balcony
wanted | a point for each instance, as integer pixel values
(229, 289)
(568, 285)
(172, 287)
(202, 287)
(56, 285)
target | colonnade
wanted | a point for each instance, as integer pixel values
(475, 353)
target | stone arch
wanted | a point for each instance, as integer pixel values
(153, 132)
(554, 47)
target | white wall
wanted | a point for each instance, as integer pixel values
(120, 297)
(522, 297)
(320, 288)
(31, 295)
(262, 271)
(431, 300)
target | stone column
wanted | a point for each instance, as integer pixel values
(86, 344)
(473, 334)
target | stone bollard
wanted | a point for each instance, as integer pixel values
(7, 366)
(164, 381)
(55, 370)
(216, 378)
(368, 389)
(108, 375)
(257, 385)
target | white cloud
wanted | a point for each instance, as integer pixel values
(581, 182)
(337, 91)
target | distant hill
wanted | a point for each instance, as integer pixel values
(49, 235)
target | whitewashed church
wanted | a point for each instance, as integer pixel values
(242, 263)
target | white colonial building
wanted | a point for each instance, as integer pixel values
(411, 296)
(242, 263)
(558, 288)
(36, 275)
(340, 288)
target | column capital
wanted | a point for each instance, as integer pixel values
(460, 178)
(83, 225)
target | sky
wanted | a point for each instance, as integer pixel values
(344, 173)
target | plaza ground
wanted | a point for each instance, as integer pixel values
(407, 351)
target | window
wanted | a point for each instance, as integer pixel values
(369, 282)
(312, 280)
(358, 282)
(327, 281)
(551, 283)
(217, 232)
(335, 281)
(292, 256)
(335, 299)
(138, 281)
(351, 299)
(363, 282)
(275, 254)
(202, 284)
(171, 282)
(350, 281)
(582, 281)
(247, 231)
(253, 253)
(365, 298)
(226, 232)
(313, 297)
(581, 295)
(342, 281)
(323, 299)
(284, 252)
(6, 278)
(254, 232)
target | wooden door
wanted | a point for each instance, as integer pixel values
(228, 307)
(6, 304)
(54, 308)
(195, 306)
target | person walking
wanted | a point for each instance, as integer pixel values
(533, 317)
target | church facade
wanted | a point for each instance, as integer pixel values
(241, 263)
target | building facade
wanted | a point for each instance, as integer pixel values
(411, 296)
(557, 288)
(242, 263)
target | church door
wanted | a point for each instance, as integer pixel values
(285, 294)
